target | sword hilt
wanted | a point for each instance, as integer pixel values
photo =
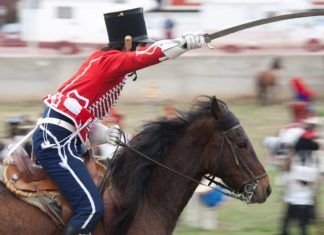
(207, 38)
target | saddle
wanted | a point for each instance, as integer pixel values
(32, 184)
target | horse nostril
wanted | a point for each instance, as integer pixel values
(268, 190)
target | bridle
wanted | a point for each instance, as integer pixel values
(225, 125)
(248, 188)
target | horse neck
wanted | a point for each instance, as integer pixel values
(169, 193)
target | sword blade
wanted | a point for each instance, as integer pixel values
(222, 33)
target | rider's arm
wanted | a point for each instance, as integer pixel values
(126, 62)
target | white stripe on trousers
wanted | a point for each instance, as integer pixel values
(65, 165)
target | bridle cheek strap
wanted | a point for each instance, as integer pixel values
(249, 186)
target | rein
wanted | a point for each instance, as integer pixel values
(249, 188)
(230, 194)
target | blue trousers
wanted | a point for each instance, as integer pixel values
(60, 156)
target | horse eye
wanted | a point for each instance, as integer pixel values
(242, 145)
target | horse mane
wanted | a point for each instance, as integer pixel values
(130, 172)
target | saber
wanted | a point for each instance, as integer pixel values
(222, 33)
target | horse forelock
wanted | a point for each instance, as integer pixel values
(228, 122)
(130, 172)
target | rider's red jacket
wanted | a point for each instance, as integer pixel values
(98, 84)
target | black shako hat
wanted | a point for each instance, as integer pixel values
(130, 22)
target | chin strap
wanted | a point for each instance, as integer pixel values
(128, 43)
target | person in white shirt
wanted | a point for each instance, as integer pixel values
(302, 179)
(300, 194)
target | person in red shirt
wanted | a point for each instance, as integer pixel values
(73, 112)
(301, 90)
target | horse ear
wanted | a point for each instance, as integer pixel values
(215, 108)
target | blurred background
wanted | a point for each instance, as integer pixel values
(271, 76)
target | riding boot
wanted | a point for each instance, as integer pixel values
(70, 230)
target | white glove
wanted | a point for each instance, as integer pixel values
(175, 47)
(193, 41)
(101, 134)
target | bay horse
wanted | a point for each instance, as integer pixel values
(143, 198)
(267, 82)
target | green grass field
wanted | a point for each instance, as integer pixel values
(235, 218)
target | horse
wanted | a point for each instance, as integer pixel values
(146, 195)
(267, 82)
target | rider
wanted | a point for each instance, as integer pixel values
(73, 112)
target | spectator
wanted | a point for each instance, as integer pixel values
(301, 91)
(300, 197)
(295, 143)
(302, 174)
(299, 110)
(200, 211)
(168, 28)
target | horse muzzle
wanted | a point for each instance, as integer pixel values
(259, 193)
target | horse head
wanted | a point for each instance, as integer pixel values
(236, 162)
(156, 173)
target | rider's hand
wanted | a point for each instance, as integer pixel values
(193, 40)
(172, 48)
(114, 135)
(101, 134)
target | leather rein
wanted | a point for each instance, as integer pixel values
(249, 187)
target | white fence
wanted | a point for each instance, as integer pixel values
(31, 78)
